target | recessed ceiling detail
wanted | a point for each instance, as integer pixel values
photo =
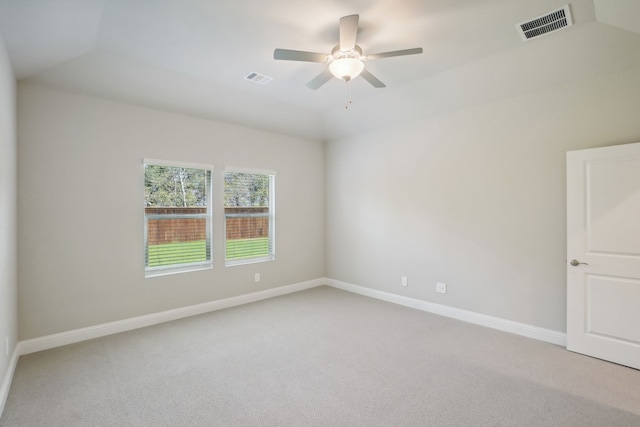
(191, 57)
(545, 24)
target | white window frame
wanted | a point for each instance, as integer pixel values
(271, 216)
(182, 268)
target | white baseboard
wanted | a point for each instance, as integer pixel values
(77, 335)
(8, 378)
(547, 335)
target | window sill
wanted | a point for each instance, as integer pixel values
(156, 272)
(233, 263)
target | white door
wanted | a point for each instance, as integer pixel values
(603, 253)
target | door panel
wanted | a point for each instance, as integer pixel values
(612, 308)
(614, 202)
(603, 235)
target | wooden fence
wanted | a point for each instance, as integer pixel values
(247, 223)
(241, 223)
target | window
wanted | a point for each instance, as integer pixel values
(177, 218)
(249, 217)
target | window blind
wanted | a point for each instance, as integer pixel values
(249, 217)
(177, 219)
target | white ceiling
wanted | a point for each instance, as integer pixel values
(191, 56)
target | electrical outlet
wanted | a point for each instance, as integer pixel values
(404, 281)
(441, 288)
(256, 277)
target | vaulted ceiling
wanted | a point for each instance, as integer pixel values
(191, 56)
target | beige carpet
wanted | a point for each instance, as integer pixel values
(321, 357)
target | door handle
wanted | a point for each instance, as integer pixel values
(576, 263)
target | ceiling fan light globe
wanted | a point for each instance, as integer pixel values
(346, 68)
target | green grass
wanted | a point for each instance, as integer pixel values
(247, 248)
(196, 251)
(177, 253)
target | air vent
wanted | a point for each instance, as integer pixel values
(545, 24)
(261, 79)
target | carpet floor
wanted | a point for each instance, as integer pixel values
(321, 357)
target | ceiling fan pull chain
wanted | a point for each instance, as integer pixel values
(346, 107)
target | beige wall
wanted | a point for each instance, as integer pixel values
(80, 164)
(8, 215)
(468, 194)
(474, 198)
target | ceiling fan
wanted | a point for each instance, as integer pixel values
(346, 60)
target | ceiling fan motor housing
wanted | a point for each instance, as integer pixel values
(356, 52)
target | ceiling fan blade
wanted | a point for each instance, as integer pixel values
(403, 52)
(348, 32)
(320, 79)
(372, 79)
(299, 55)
